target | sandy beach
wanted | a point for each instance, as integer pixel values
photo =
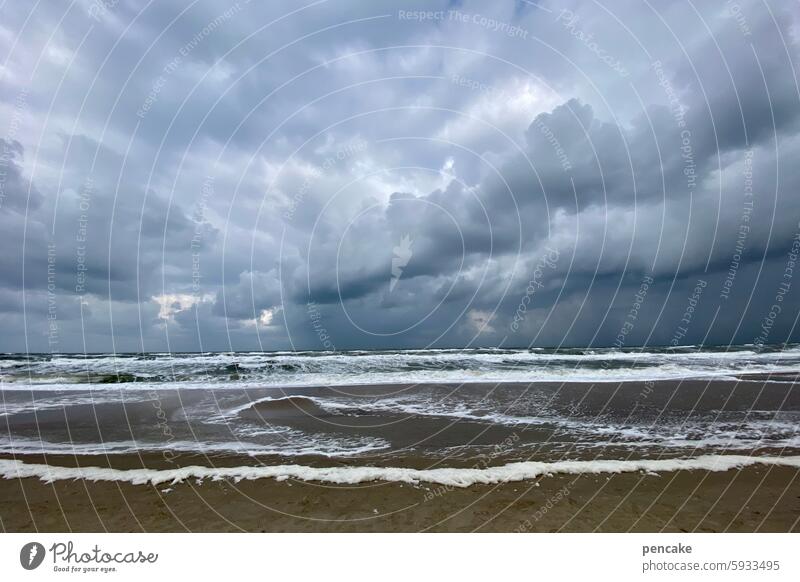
(746, 500)
(715, 454)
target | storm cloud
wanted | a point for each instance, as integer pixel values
(406, 174)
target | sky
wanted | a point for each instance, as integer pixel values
(375, 175)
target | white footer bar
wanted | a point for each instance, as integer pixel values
(352, 557)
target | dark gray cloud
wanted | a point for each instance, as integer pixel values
(242, 176)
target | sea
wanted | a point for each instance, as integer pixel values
(474, 415)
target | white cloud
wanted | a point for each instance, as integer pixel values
(265, 318)
(172, 303)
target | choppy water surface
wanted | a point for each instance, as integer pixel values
(481, 403)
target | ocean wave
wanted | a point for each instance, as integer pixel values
(294, 404)
(454, 377)
(294, 444)
(65, 399)
(217, 370)
(283, 406)
(451, 477)
(718, 429)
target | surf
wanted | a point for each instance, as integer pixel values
(353, 475)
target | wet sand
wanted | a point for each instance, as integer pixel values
(746, 500)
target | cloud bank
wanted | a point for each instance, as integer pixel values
(381, 175)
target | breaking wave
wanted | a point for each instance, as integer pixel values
(204, 370)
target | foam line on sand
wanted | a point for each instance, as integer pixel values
(454, 477)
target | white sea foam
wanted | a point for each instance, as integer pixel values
(453, 477)
(744, 434)
(186, 371)
(325, 404)
(294, 444)
(59, 400)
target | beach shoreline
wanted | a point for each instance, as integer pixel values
(666, 455)
(749, 499)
